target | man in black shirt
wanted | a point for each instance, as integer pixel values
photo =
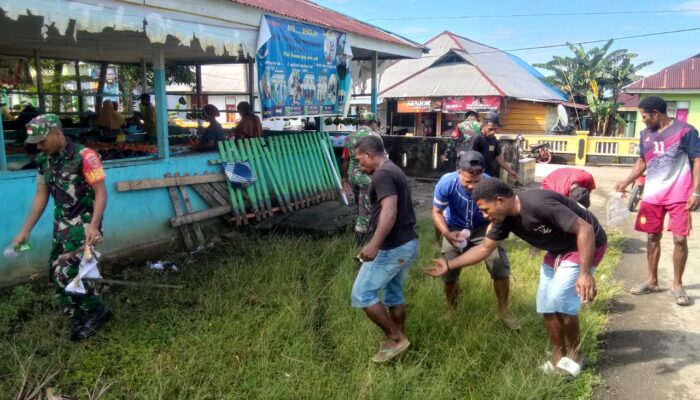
(392, 250)
(487, 144)
(575, 244)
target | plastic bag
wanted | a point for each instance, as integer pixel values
(463, 236)
(617, 209)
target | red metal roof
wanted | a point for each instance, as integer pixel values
(682, 75)
(628, 100)
(304, 10)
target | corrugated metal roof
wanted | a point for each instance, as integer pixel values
(628, 101)
(682, 75)
(304, 10)
(460, 79)
(506, 72)
(401, 70)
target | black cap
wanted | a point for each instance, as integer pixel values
(470, 159)
(492, 118)
(144, 96)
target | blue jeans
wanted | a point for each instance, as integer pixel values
(386, 273)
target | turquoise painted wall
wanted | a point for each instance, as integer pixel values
(693, 112)
(131, 219)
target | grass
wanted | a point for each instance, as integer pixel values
(270, 318)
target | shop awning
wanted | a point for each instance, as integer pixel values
(113, 31)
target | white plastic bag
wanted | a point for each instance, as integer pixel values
(617, 209)
(87, 270)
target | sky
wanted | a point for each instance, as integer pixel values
(422, 20)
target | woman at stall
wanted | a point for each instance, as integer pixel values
(249, 125)
(110, 122)
(214, 132)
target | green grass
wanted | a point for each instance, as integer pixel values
(270, 318)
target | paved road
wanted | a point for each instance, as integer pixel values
(651, 348)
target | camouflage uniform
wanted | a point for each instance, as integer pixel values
(358, 180)
(67, 174)
(467, 131)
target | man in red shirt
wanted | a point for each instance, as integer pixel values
(573, 183)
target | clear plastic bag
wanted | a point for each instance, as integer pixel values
(463, 236)
(617, 209)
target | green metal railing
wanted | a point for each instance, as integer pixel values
(293, 171)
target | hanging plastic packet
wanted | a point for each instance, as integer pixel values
(15, 251)
(617, 209)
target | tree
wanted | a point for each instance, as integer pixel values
(595, 78)
(129, 77)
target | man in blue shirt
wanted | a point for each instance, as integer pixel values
(453, 211)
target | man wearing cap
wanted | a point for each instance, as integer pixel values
(454, 211)
(487, 144)
(214, 132)
(74, 177)
(149, 115)
(354, 178)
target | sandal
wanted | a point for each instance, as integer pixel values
(385, 355)
(644, 288)
(681, 297)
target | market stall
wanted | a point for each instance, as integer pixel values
(150, 35)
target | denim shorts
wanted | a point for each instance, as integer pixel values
(557, 289)
(386, 273)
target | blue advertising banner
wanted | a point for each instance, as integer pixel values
(302, 69)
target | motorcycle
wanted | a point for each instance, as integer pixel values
(540, 152)
(635, 195)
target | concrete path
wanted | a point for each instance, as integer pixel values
(651, 348)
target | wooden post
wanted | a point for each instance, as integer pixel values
(198, 91)
(3, 158)
(375, 61)
(144, 77)
(79, 87)
(39, 82)
(161, 102)
(100, 87)
(251, 84)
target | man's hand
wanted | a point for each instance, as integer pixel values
(22, 237)
(621, 187)
(92, 235)
(513, 176)
(693, 203)
(369, 252)
(437, 268)
(453, 238)
(585, 287)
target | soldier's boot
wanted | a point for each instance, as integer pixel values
(91, 323)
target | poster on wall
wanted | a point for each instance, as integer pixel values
(302, 68)
(473, 103)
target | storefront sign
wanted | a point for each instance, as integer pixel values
(302, 68)
(474, 103)
(418, 105)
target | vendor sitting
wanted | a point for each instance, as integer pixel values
(214, 132)
(110, 122)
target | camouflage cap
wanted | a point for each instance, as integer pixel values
(39, 127)
(367, 117)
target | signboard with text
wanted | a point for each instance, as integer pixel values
(302, 69)
(473, 103)
(418, 105)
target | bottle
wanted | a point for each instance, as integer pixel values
(617, 209)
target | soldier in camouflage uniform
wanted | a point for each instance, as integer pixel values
(354, 178)
(74, 177)
(464, 132)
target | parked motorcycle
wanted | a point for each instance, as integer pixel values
(540, 152)
(635, 195)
